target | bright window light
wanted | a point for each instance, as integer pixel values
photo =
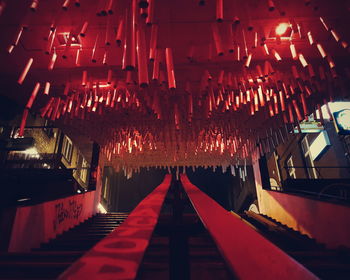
(334, 107)
(101, 209)
(320, 145)
(31, 151)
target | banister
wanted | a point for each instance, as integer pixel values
(119, 255)
(248, 254)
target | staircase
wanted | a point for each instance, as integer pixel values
(52, 258)
(323, 262)
(182, 249)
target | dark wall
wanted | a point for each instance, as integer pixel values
(130, 192)
(229, 191)
(219, 186)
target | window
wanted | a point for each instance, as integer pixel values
(84, 170)
(311, 171)
(48, 129)
(67, 148)
(105, 189)
(346, 142)
(291, 169)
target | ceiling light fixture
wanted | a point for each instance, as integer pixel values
(282, 28)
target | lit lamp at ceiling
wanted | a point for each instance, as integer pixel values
(282, 31)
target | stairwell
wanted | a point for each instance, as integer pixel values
(325, 263)
(53, 257)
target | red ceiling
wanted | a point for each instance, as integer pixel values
(182, 24)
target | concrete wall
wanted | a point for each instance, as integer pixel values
(328, 223)
(39, 223)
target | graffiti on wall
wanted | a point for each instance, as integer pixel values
(66, 210)
(119, 255)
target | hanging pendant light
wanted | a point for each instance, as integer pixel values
(119, 36)
(52, 59)
(47, 88)
(219, 10)
(141, 58)
(153, 42)
(217, 40)
(129, 58)
(25, 71)
(170, 68)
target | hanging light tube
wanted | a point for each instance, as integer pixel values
(282, 100)
(295, 72)
(119, 36)
(25, 71)
(238, 53)
(321, 50)
(255, 40)
(170, 68)
(50, 42)
(10, 49)
(65, 5)
(77, 57)
(153, 42)
(290, 113)
(47, 107)
(109, 6)
(335, 35)
(303, 103)
(52, 60)
(18, 36)
(144, 12)
(219, 10)
(129, 58)
(217, 40)
(34, 5)
(47, 88)
(296, 109)
(66, 88)
(302, 60)
(108, 32)
(82, 32)
(221, 77)
(142, 58)
(293, 51)
(33, 96)
(248, 60)
(261, 97)
(311, 39)
(93, 55)
(266, 49)
(324, 24)
(23, 122)
(155, 74)
(276, 55)
(271, 5)
(330, 62)
(149, 19)
(311, 71)
(245, 44)
(84, 78)
(109, 76)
